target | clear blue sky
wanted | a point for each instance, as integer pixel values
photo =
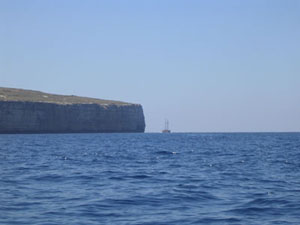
(211, 65)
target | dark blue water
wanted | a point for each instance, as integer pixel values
(150, 179)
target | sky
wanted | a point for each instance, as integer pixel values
(206, 66)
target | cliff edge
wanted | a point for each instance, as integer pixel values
(26, 111)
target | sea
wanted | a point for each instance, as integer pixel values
(150, 178)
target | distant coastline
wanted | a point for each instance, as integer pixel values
(26, 111)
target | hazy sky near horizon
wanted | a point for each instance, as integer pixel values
(207, 66)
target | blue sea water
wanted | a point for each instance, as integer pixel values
(188, 178)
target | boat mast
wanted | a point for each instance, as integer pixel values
(166, 130)
(166, 124)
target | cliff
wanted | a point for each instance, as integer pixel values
(25, 111)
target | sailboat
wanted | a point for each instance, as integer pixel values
(166, 130)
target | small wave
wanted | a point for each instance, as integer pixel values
(217, 221)
(165, 152)
(267, 202)
(254, 210)
(163, 172)
(116, 178)
(139, 176)
(195, 195)
(188, 186)
(49, 178)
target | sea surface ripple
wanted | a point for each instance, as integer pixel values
(184, 178)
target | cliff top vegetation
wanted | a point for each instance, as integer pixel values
(13, 94)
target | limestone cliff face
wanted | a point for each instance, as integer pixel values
(53, 117)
